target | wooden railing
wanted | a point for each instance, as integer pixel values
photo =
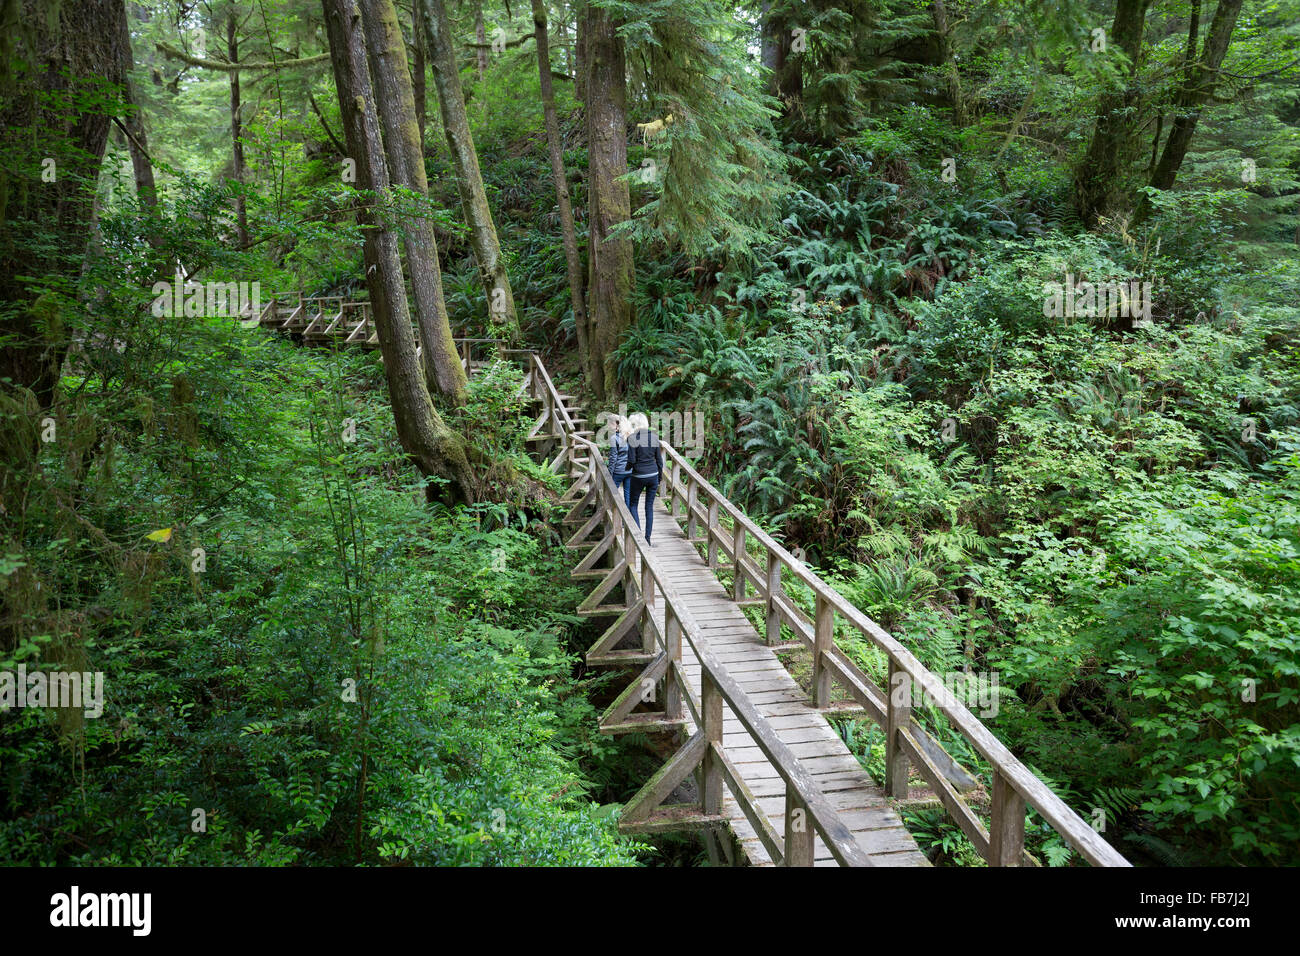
(1014, 786)
(754, 559)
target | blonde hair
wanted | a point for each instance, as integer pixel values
(637, 421)
(624, 427)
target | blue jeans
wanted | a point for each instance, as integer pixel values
(649, 486)
(624, 482)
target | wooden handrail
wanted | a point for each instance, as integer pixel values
(1006, 840)
(1014, 786)
(809, 798)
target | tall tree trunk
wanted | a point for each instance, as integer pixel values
(1101, 180)
(435, 448)
(386, 52)
(556, 149)
(236, 129)
(939, 14)
(53, 145)
(418, 71)
(562, 40)
(146, 189)
(480, 37)
(1198, 86)
(611, 271)
(469, 180)
(776, 51)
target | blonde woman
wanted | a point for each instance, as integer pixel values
(620, 429)
(645, 460)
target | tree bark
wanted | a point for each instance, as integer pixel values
(236, 130)
(776, 40)
(47, 193)
(418, 71)
(556, 149)
(435, 448)
(146, 189)
(1198, 86)
(939, 14)
(386, 53)
(469, 180)
(1101, 180)
(611, 271)
(480, 35)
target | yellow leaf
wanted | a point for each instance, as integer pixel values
(162, 534)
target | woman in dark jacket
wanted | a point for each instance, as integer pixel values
(645, 460)
(618, 456)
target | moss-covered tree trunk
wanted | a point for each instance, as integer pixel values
(943, 32)
(469, 180)
(555, 148)
(480, 37)
(418, 75)
(434, 447)
(236, 129)
(610, 269)
(395, 99)
(1102, 185)
(53, 144)
(1201, 78)
(776, 52)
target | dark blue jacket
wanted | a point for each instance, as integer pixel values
(645, 458)
(618, 454)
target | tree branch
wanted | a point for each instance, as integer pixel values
(229, 67)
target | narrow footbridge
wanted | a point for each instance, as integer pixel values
(701, 621)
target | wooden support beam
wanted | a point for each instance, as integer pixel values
(898, 715)
(1007, 833)
(823, 633)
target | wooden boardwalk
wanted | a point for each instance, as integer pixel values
(767, 766)
(859, 800)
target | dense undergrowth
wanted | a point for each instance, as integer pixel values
(304, 662)
(1104, 516)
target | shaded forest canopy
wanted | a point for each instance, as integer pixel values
(989, 308)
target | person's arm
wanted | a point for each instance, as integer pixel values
(659, 454)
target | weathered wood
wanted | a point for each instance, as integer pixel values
(798, 832)
(622, 626)
(823, 634)
(773, 633)
(661, 585)
(712, 530)
(737, 562)
(1007, 833)
(898, 715)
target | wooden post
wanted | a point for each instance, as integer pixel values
(799, 834)
(648, 595)
(712, 531)
(773, 588)
(678, 504)
(823, 633)
(692, 499)
(1007, 829)
(738, 554)
(898, 712)
(710, 770)
(673, 647)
